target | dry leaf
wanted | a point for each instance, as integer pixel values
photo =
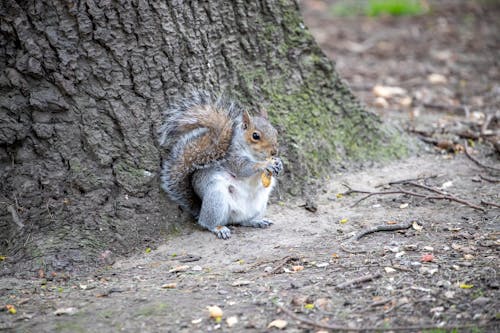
(417, 226)
(297, 268)
(11, 309)
(169, 285)
(278, 323)
(437, 79)
(389, 270)
(466, 286)
(177, 269)
(427, 258)
(240, 283)
(231, 321)
(381, 102)
(468, 256)
(388, 92)
(343, 221)
(215, 312)
(65, 311)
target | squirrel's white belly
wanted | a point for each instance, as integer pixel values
(247, 197)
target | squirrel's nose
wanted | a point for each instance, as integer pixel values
(274, 152)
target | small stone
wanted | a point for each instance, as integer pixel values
(481, 300)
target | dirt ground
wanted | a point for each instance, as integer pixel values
(307, 270)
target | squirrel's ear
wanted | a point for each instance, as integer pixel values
(264, 114)
(247, 120)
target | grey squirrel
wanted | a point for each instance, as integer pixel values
(222, 162)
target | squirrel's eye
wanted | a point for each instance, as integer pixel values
(255, 136)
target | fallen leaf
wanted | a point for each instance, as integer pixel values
(11, 309)
(215, 312)
(343, 221)
(468, 256)
(427, 257)
(231, 321)
(389, 270)
(2, 258)
(65, 311)
(339, 195)
(405, 101)
(388, 92)
(278, 323)
(297, 268)
(309, 306)
(335, 256)
(417, 226)
(437, 79)
(171, 285)
(381, 102)
(240, 283)
(449, 294)
(466, 286)
(177, 269)
(148, 250)
(447, 184)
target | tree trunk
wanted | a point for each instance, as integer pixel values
(82, 88)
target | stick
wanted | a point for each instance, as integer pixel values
(393, 227)
(488, 203)
(15, 216)
(358, 280)
(488, 179)
(473, 159)
(401, 191)
(310, 322)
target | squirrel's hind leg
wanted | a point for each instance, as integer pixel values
(214, 213)
(257, 223)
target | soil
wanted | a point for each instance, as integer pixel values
(442, 271)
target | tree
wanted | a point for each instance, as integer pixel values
(83, 85)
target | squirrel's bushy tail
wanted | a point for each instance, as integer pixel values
(198, 130)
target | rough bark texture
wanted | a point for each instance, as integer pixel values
(82, 88)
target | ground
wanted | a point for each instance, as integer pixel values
(441, 271)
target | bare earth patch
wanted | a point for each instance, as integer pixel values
(308, 271)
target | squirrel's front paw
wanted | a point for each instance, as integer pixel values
(275, 166)
(221, 232)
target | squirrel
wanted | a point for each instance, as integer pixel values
(222, 162)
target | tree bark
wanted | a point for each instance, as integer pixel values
(82, 88)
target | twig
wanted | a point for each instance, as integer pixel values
(488, 203)
(358, 280)
(15, 216)
(396, 182)
(401, 191)
(488, 179)
(392, 227)
(310, 322)
(452, 108)
(473, 159)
